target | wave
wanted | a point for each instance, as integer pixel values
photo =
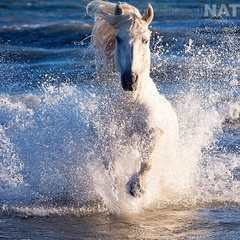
(54, 141)
(47, 35)
(52, 156)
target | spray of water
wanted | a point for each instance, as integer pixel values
(65, 149)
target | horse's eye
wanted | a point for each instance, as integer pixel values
(145, 40)
(118, 39)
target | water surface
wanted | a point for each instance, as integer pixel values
(52, 181)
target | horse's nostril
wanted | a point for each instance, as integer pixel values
(129, 81)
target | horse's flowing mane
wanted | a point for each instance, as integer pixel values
(107, 23)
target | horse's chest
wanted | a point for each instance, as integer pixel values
(135, 120)
(136, 130)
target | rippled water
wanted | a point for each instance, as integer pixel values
(53, 141)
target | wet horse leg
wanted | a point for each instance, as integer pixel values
(137, 184)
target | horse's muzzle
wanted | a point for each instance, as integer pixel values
(129, 81)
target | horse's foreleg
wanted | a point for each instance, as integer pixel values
(138, 181)
(137, 184)
(147, 163)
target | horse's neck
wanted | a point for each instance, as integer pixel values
(147, 92)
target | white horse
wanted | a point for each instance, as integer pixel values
(121, 37)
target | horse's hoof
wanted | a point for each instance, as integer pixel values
(136, 188)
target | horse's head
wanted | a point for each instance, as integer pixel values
(132, 53)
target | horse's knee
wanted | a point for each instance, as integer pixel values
(145, 167)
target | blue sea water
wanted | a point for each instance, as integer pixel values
(52, 185)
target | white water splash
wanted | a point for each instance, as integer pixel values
(54, 144)
(10, 164)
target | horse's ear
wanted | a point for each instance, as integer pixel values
(119, 9)
(148, 15)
